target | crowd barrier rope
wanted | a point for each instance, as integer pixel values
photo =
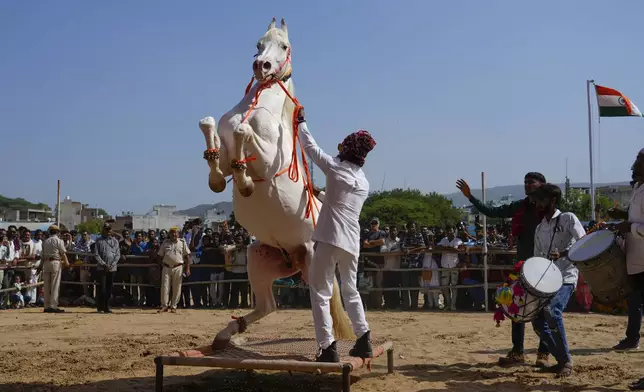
(468, 251)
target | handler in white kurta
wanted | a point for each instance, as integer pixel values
(337, 238)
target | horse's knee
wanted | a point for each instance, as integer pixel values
(242, 132)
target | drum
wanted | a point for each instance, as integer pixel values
(539, 281)
(602, 264)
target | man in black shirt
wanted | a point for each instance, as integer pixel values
(373, 241)
(413, 241)
(525, 219)
(214, 254)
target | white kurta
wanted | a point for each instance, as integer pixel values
(347, 189)
(337, 237)
(563, 230)
(635, 239)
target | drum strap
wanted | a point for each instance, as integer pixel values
(553, 235)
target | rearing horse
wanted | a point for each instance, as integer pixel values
(257, 144)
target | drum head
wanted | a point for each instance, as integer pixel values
(591, 245)
(542, 275)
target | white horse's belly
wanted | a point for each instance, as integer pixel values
(275, 221)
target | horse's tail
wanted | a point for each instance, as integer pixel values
(341, 323)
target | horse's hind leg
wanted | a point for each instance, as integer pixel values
(265, 265)
(214, 155)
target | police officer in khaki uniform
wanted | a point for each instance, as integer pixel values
(174, 252)
(54, 259)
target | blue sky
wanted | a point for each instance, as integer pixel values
(106, 96)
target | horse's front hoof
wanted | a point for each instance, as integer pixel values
(207, 125)
(217, 186)
(247, 191)
(220, 344)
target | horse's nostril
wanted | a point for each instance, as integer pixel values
(255, 65)
(266, 65)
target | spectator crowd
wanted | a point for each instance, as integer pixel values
(398, 268)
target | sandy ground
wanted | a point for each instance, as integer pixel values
(85, 351)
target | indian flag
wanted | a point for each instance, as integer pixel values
(612, 103)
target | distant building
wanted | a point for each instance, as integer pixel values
(213, 217)
(73, 213)
(620, 194)
(27, 215)
(70, 213)
(159, 217)
(92, 213)
(507, 199)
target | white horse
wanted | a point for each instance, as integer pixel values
(272, 196)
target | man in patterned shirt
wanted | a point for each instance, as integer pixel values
(413, 240)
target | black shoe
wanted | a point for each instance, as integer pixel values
(625, 345)
(57, 310)
(637, 385)
(362, 348)
(99, 310)
(108, 311)
(49, 310)
(329, 354)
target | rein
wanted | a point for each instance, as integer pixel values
(293, 168)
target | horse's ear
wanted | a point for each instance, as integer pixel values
(283, 26)
(271, 25)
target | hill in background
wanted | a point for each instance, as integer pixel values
(200, 210)
(494, 193)
(517, 192)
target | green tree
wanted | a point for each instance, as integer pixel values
(93, 226)
(7, 203)
(398, 206)
(578, 202)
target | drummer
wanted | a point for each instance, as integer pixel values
(554, 236)
(525, 219)
(633, 227)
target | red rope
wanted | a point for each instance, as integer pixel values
(293, 168)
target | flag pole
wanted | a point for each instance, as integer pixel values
(590, 150)
(485, 280)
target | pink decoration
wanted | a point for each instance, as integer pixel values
(518, 290)
(513, 309)
(499, 316)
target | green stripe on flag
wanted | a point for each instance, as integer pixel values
(613, 111)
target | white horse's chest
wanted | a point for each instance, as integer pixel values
(265, 123)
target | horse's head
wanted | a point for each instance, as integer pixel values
(273, 57)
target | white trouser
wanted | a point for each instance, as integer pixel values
(171, 279)
(216, 289)
(321, 276)
(51, 281)
(449, 278)
(31, 277)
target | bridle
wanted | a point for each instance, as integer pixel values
(293, 168)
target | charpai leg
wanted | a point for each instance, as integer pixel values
(390, 361)
(346, 378)
(158, 383)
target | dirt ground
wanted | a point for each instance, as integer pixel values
(85, 351)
